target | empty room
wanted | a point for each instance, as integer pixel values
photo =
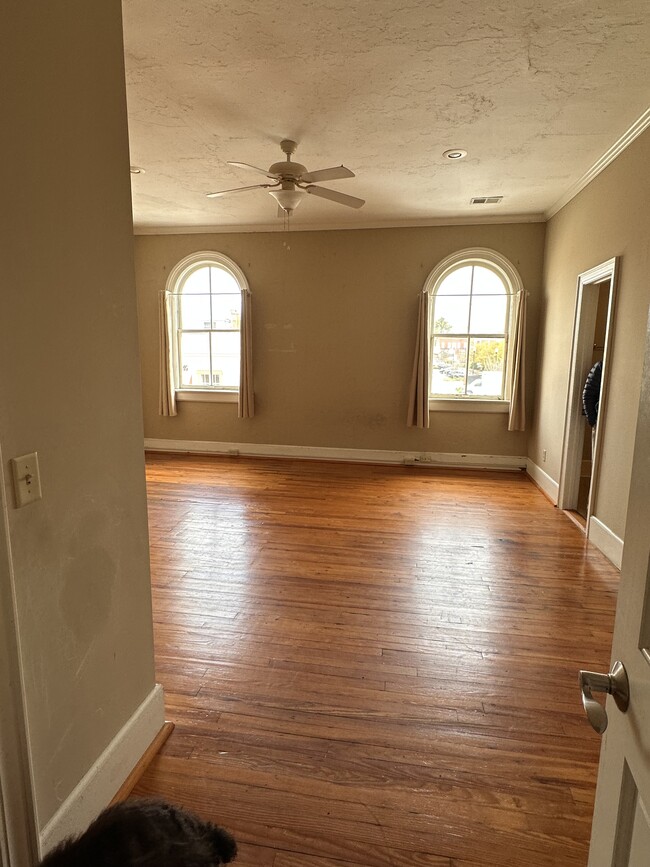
(324, 428)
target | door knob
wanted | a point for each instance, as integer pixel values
(615, 684)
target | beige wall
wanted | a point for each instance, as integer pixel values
(334, 321)
(609, 218)
(69, 387)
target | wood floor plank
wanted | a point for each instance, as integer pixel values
(373, 665)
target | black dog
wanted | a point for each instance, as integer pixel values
(146, 834)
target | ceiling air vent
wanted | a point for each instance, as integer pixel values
(486, 200)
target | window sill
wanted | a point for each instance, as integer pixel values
(460, 404)
(205, 396)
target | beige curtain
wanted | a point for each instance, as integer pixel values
(167, 399)
(246, 407)
(517, 416)
(418, 415)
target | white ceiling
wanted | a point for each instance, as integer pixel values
(535, 90)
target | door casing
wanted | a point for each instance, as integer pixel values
(581, 354)
(18, 834)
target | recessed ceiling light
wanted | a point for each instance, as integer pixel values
(455, 154)
(136, 170)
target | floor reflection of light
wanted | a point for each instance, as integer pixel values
(224, 524)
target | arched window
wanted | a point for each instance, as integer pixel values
(471, 320)
(207, 308)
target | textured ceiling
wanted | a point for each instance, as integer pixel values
(535, 90)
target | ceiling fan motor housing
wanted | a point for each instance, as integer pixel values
(289, 170)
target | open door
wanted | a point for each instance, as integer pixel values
(621, 824)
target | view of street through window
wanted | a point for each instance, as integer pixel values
(469, 334)
(209, 329)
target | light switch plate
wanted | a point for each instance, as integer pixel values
(27, 479)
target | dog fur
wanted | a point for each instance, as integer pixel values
(145, 834)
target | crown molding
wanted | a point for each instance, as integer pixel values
(639, 126)
(377, 224)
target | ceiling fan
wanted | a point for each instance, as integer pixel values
(292, 180)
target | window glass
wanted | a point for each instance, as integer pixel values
(488, 314)
(486, 282)
(195, 357)
(485, 368)
(208, 328)
(197, 282)
(226, 311)
(225, 358)
(469, 339)
(448, 367)
(194, 312)
(223, 281)
(452, 314)
(459, 282)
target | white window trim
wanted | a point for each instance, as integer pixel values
(462, 403)
(208, 394)
(488, 258)
(204, 395)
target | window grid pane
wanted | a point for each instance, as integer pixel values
(469, 363)
(209, 349)
(225, 357)
(211, 319)
(194, 357)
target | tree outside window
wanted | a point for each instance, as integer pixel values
(469, 333)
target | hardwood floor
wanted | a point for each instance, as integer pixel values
(375, 665)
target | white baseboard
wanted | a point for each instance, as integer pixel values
(609, 543)
(545, 482)
(317, 453)
(102, 781)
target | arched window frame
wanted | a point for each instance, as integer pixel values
(177, 277)
(504, 269)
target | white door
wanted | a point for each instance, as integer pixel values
(621, 826)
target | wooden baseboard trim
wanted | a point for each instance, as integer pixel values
(543, 481)
(147, 757)
(107, 773)
(541, 489)
(318, 453)
(606, 541)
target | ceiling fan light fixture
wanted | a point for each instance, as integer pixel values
(288, 199)
(455, 154)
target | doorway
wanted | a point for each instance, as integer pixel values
(592, 339)
(18, 830)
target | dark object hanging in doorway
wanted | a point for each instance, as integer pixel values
(591, 393)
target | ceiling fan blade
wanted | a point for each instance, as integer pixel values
(254, 168)
(239, 190)
(335, 196)
(334, 174)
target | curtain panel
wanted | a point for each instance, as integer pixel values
(167, 395)
(418, 414)
(517, 414)
(246, 404)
